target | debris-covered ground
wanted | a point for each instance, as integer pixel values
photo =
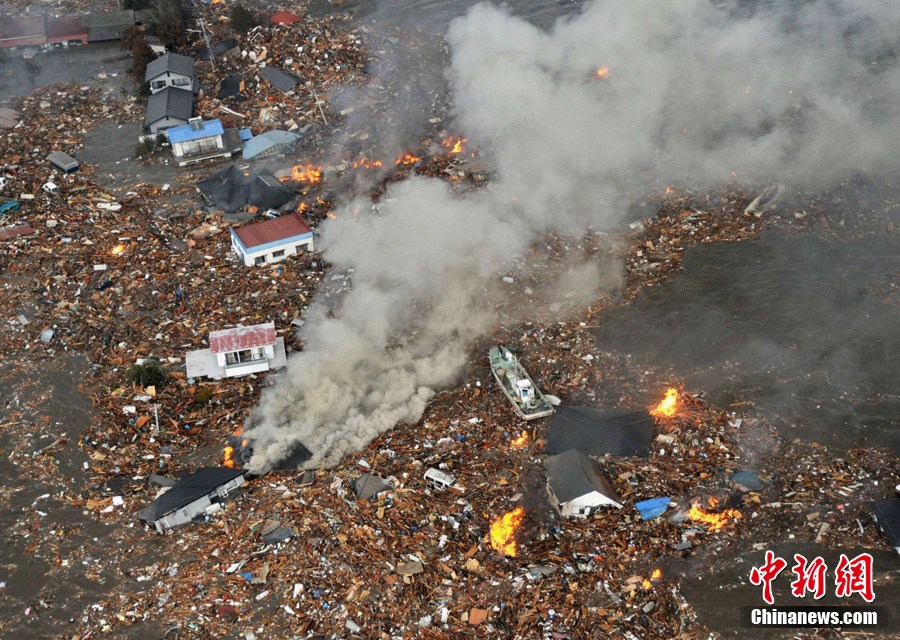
(119, 276)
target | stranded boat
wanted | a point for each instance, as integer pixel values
(517, 385)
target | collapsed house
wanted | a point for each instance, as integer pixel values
(199, 493)
(230, 190)
(368, 486)
(577, 485)
(238, 352)
(597, 432)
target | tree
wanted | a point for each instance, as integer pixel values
(150, 373)
(242, 19)
(126, 43)
(141, 56)
(171, 31)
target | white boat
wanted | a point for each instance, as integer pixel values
(517, 385)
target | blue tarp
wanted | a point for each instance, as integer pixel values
(652, 508)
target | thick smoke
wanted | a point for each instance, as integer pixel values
(801, 94)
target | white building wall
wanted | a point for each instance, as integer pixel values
(169, 79)
(288, 249)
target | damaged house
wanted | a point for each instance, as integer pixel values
(238, 352)
(230, 190)
(272, 240)
(201, 140)
(197, 494)
(577, 485)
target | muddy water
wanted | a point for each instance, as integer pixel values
(54, 559)
(803, 328)
(95, 64)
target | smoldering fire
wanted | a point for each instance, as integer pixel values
(565, 148)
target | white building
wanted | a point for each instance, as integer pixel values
(201, 492)
(238, 352)
(171, 70)
(198, 140)
(577, 486)
(272, 240)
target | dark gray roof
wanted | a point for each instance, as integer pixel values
(368, 486)
(597, 431)
(171, 62)
(231, 190)
(230, 87)
(887, 513)
(572, 475)
(108, 25)
(281, 80)
(175, 103)
(200, 483)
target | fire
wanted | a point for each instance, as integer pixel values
(215, 1)
(669, 406)
(602, 72)
(365, 163)
(407, 159)
(310, 173)
(454, 144)
(521, 441)
(668, 189)
(229, 457)
(118, 249)
(503, 532)
(331, 215)
(648, 582)
(714, 521)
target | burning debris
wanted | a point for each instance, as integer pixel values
(668, 407)
(505, 530)
(308, 173)
(712, 516)
(239, 451)
(601, 72)
(519, 441)
(655, 576)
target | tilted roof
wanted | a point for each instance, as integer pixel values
(174, 103)
(267, 140)
(281, 80)
(172, 63)
(200, 483)
(240, 338)
(260, 233)
(572, 475)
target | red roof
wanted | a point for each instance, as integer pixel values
(240, 338)
(284, 17)
(65, 29)
(20, 32)
(259, 233)
(14, 232)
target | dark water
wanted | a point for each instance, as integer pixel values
(803, 328)
(81, 65)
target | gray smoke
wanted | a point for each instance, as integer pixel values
(804, 94)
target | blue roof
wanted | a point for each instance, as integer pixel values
(245, 134)
(186, 133)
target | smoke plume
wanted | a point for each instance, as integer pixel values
(803, 93)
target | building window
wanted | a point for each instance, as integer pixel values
(242, 357)
(259, 260)
(158, 84)
(180, 82)
(278, 254)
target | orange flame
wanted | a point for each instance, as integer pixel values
(310, 173)
(668, 189)
(521, 441)
(365, 163)
(713, 521)
(407, 159)
(118, 249)
(454, 144)
(229, 457)
(602, 72)
(503, 532)
(331, 215)
(669, 406)
(648, 582)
